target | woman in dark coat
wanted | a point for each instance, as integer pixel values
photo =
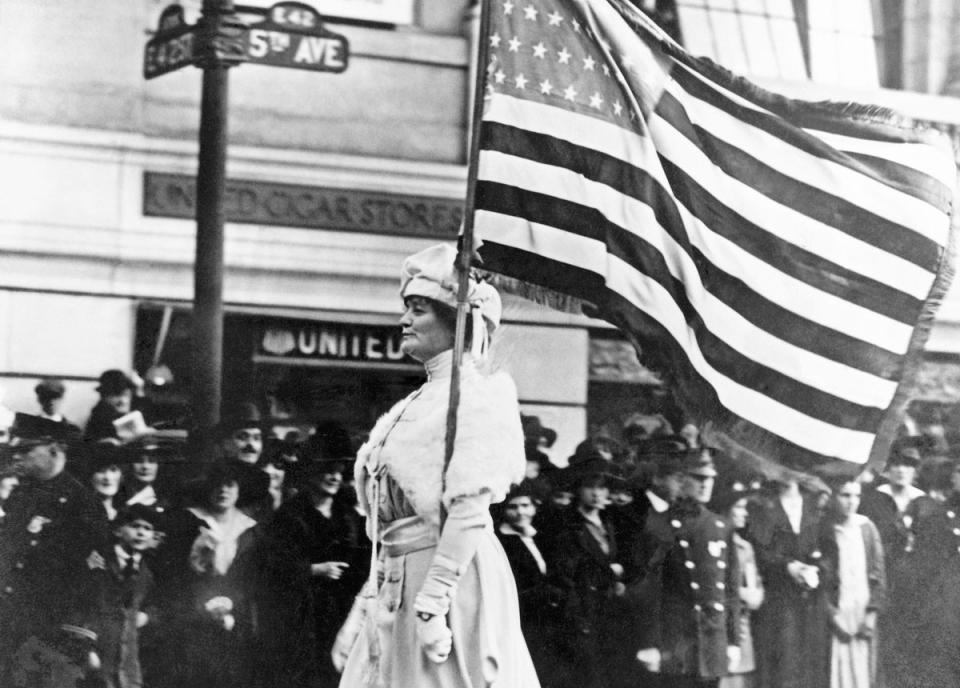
(313, 567)
(540, 597)
(789, 629)
(591, 576)
(211, 590)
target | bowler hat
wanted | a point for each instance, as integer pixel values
(526, 488)
(593, 469)
(329, 442)
(94, 457)
(585, 452)
(534, 430)
(114, 381)
(239, 416)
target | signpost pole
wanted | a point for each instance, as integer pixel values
(290, 35)
(216, 57)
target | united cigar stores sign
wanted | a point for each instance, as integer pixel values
(307, 341)
(312, 207)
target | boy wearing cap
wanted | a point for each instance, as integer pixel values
(118, 582)
(690, 561)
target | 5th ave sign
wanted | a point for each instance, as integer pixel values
(292, 35)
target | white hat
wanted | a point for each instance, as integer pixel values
(432, 273)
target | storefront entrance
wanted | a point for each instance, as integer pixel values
(298, 371)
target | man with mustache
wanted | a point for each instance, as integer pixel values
(241, 443)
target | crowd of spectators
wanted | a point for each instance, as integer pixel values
(648, 560)
(846, 583)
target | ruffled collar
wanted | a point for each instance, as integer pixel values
(440, 366)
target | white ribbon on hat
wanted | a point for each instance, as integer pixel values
(486, 307)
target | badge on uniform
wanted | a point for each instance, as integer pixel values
(716, 547)
(36, 524)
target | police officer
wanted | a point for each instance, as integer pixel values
(51, 527)
(690, 562)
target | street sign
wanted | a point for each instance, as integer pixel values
(172, 47)
(293, 35)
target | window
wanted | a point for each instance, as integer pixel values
(844, 42)
(847, 42)
(753, 37)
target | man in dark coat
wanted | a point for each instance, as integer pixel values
(690, 558)
(928, 621)
(241, 441)
(53, 523)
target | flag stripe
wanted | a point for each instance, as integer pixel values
(731, 343)
(810, 270)
(648, 295)
(638, 151)
(930, 164)
(810, 160)
(822, 205)
(792, 225)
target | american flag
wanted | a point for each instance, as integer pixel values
(779, 261)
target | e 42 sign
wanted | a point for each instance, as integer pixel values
(292, 35)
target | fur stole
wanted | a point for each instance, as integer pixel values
(408, 442)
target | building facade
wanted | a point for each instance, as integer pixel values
(333, 179)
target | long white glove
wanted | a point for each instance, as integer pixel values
(461, 536)
(459, 540)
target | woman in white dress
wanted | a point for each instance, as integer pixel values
(855, 585)
(442, 608)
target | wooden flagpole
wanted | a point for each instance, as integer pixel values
(466, 242)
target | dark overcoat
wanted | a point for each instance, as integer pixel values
(584, 573)
(927, 622)
(790, 628)
(50, 529)
(114, 601)
(541, 603)
(299, 614)
(691, 560)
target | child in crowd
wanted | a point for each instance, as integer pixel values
(119, 582)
